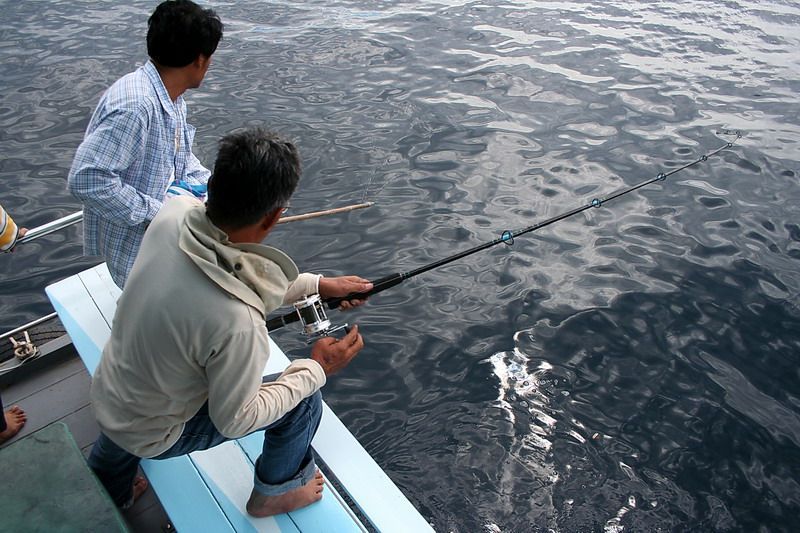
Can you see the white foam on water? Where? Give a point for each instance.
(614, 525)
(521, 395)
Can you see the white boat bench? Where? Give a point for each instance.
(207, 490)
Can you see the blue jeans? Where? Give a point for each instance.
(286, 461)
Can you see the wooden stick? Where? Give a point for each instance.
(74, 218)
(316, 214)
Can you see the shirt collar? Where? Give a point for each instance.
(158, 84)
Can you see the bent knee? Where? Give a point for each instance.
(314, 404)
(315, 400)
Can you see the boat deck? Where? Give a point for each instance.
(56, 389)
(206, 488)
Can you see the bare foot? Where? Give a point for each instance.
(15, 419)
(259, 505)
(140, 485)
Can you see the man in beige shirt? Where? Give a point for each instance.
(183, 368)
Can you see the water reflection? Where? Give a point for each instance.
(658, 337)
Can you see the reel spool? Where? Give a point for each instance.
(315, 321)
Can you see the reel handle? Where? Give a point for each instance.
(378, 285)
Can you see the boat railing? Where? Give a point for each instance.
(16, 346)
(50, 227)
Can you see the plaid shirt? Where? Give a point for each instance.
(136, 143)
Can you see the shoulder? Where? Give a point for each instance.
(175, 208)
(182, 203)
(131, 94)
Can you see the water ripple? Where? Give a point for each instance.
(657, 335)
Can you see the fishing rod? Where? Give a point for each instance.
(310, 310)
(64, 222)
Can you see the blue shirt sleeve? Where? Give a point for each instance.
(100, 162)
(196, 173)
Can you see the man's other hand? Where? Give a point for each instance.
(342, 286)
(334, 354)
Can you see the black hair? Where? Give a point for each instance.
(255, 173)
(179, 31)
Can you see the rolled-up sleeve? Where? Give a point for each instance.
(196, 173)
(305, 285)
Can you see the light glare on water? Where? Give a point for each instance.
(631, 369)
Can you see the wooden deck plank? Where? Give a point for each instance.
(230, 477)
(84, 323)
(39, 381)
(190, 504)
(103, 291)
(149, 519)
(83, 425)
(59, 400)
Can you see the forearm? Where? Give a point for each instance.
(274, 399)
(305, 285)
(104, 193)
(239, 403)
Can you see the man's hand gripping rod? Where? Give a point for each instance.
(316, 323)
(311, 312)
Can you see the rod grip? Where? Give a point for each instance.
(280, 321)
(377, 286)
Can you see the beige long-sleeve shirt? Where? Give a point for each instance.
(190, 328)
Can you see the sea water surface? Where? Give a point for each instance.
(633, 368)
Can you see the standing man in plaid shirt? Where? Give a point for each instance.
(138, 143)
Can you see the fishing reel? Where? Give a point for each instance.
(315, 321)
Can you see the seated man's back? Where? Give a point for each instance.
(187, 331)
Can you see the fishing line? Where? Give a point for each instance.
(367, 194)
(425, 129)
(507, 238)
